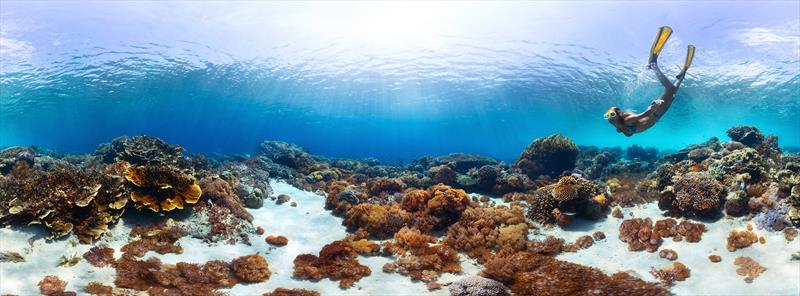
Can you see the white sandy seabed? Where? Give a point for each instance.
(309, 227)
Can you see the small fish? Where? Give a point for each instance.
(10, 256)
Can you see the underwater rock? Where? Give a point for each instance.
(548, 156)
(700, 154)
(747, 135)
(336, 261)
(713, 144)
(486, 176)
(477, 286)
(277, 240)
(213, 223)
(698, 194)
(249, 180)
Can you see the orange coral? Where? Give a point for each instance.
(480, 227)
(418, 259)
(741, 239)
(377, 220)
(336, 261)
(415, 200)
(161, 188)
(251, 268)
(277, 240)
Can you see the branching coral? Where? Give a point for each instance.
(533, 274)
(161, 188)
(548, 156)
(335, 261)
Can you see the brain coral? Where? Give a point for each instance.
(548, 156)
(698, 194)
(161, 188)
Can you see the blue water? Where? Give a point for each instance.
(389, 80)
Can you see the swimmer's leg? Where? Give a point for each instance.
(661, 77)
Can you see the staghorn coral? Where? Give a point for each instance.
(335, 261)
(251, 268)
(53, 286)
(548, 156)
(740, 239)
(161, 188)
(291, 292)
(278, 240)
(698, 194)
(669, 274)
(64, 198)
(99, 256)
(477, 286)
(748, 268)
(529, 273)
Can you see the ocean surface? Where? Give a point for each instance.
(394, 80)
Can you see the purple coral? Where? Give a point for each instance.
(774, 219)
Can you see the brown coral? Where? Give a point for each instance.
(639, 234)
(418, 259)
(98, 289)
(551, 245)
(158, 238)
(698, 194)
(714, 258)
(481, 227)
(530, 273)
(668, 254)
(377, 220)
(161, 188)
(291, 292)
(549, 203)
(53, 286)
(669, 274)
(447, 203)
(336, 261)
(179, 279)
(99, 256)
(748, 268)
(251, 268)
(221, 192)
(277, 240)
(741, 239)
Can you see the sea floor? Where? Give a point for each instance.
(308, 226)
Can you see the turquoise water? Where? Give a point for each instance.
(390, 80)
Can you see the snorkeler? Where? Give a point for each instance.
(630, 123)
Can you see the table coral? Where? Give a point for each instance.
(335, 261)
(548, 156)
(741, 239)
(251, 268)
(161, 188)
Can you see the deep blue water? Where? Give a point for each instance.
(389, 80)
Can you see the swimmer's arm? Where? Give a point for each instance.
(633, 119)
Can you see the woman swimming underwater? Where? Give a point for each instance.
(630, 123)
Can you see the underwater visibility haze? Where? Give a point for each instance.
(390, 80)
(399, 148)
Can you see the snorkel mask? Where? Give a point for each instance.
(610, 114)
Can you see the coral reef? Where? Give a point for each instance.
(636, 152)
(160, 239)
(418, 259)
(376, 220)
(487, 228)
(714, 258)
(221, 193)
(568, 195)
(477, 286)
(335, 261)
(290, 155)
(698, 194)
(548, 156)
(140, 150)
(161, 188)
